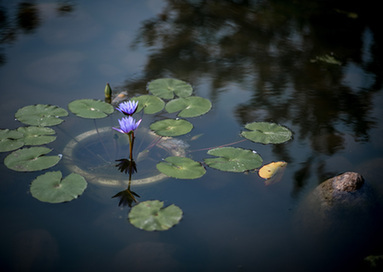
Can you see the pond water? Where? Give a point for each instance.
(315, 68)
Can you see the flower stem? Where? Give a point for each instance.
(131, 141)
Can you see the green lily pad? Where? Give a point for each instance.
(171, 127)
(189, 106)
(41, 115)
(150, 215)
(31, 159)
(267, 133)
(181, 167)
(90, 108)
(150, 103)
(166, 88)
(232, 159)
(37, 135)
(10, 140)
(49, 187)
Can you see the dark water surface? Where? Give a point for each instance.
(314, 67)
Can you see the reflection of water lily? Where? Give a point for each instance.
(126, 197)
(127, 166)
(127, 125)
(128, 107)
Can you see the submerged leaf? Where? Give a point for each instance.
(181, 167)
(10, 140)
(41, 115)
(37, 135)
(326, 59)
(166, 88)
(171, 127)
(151, 216)
(31, 159)
(150, 103)
(266, 133)
(232, 159)
(49, 187)
(90, 108)
(189, 106)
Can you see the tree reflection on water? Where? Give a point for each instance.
(272, 48)
(25, 21)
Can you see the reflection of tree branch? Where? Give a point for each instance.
(27, 19)
(65, 7)
(267, 46)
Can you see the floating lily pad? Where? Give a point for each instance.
(10, 140)
(150, 103)
(232, 159)
(166, 88)
(90, 108)
(267, 133)
(49, 187)
(41, 115)
(189, 106)
(181, 167)
(150, 215)
(31, 159)
(37, 135)
(171, 127)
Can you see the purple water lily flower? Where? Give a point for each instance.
(128, 107)
(127, 125)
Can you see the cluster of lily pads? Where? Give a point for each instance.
(27, 154)
(30, 155)
(229, 159)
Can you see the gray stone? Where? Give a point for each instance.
(344, 189)
(336, 203)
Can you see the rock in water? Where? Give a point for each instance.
(345, 189)
(336, 204)
(347, 182)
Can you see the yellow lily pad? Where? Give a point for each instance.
(273, 171)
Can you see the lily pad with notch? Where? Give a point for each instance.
(10, 140)
(41, 115)
(266, 133)
(90, 108)
(50, 187)
(37, 135)
(171, 127)
(166, 88)
(233, 159)
(151, 216)
(31, 159)
(181, 168)
(150, 103)
(191, 106)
